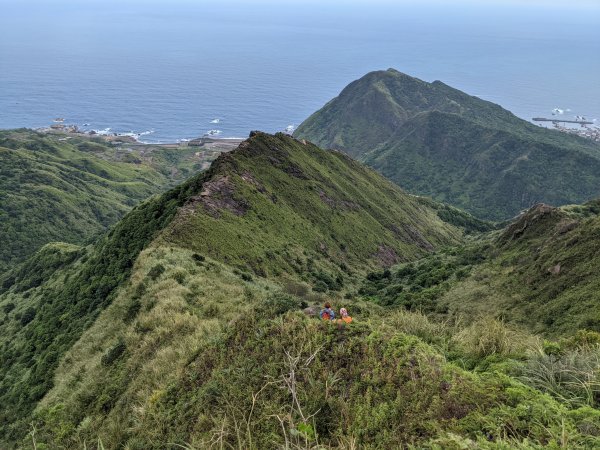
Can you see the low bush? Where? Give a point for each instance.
(156, 271)
(113, 353)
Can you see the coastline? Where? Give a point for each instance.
(133, 139)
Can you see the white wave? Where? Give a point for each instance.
(290, 128)
(135, 135)
(215, 121)
(213, 132)
(102, 132)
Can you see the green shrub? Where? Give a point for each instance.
(320, 286)
(156, 271)
(132, 310)
(27, 316)
(582, 339)
(246, 276)
(295, 288)
(198, 258)
(552, 348)
(180, 276)
(113, 353)
(280, 303)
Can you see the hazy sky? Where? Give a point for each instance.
(458, 3)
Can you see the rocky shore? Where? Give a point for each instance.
(207, 143)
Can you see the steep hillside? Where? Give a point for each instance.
(540, 273)
(277, 205)
(211, 360)
(55, 187)
(434, 140)
(275, 208)
(489, 172)
(543, 273)
(182, 327)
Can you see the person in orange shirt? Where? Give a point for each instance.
(345, 317)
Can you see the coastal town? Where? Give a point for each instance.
(588, 132)
(579, 127)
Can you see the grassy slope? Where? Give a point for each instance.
(296, 189)
(52, 189)
(540, 273)
(45, 314)
(488, 172)
(195, 353)
(434, 140)
(192, 352)
(159, 319)
(293, 209)
(221, 361)
(518, 282)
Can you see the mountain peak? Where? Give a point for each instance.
(274, 197)
(371, 109)
(435, 140)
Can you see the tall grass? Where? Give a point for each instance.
(488, 336)
(573, 377)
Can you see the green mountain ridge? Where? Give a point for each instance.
(231, 213)
(544, 275)
(435, 140)
(482, 169)
(304, 200)
(183, 326)
(55, 187)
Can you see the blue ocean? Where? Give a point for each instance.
(180, 69)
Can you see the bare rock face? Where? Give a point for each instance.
(567, 226)
(555, 270)
(527, 221)
(217, 195)
(387, 256)
(416, 237)
(337, 204)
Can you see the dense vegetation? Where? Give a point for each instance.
(274, 378)
(540, 272)
(278, 207)
(55, 187)
(434, 140)
(236, 212)
(418, 285)
(51, 299)
(183, 327)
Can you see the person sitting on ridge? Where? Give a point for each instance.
(327, 313)
(345, 317)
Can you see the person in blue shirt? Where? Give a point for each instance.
(327, 313)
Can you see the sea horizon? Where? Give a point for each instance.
(178, 72)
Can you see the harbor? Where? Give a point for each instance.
(579, 122)
(587, 129)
